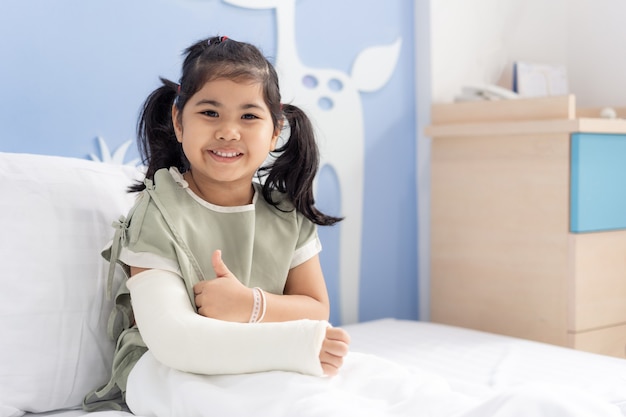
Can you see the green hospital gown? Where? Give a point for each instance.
(171, 228)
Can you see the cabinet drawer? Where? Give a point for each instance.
(599, 279)
(609, 341)
(598, 182)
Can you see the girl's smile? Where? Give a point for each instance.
(226, 155)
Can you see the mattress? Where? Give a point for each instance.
(476, 363)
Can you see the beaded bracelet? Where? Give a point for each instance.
(256, 307)
(259, 302)
(264, 305)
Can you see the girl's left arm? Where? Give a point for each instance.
(305, 295)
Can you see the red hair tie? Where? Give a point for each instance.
(220, 39)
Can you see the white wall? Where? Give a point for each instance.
(476, 41)
(596, 55)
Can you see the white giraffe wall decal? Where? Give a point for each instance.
(331, 99)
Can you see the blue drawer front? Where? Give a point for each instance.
(598, 182)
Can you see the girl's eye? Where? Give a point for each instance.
(249, 116)
(210, 113)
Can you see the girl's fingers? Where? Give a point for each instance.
(334, 348)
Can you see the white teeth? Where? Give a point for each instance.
(226, 154)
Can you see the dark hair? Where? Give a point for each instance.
(295, 163)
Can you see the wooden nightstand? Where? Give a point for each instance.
(528, 221)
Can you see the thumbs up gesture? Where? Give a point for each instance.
(225, 297)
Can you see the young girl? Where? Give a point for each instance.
(224, 271)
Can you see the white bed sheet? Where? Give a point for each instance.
(476, 364)
(487, 363)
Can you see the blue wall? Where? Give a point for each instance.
(74, 70)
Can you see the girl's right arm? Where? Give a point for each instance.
(184, 340)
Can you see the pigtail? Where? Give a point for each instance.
(156, 139)
(295, 168)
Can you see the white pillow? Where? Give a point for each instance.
(55, 217)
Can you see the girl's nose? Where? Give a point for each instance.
(227, 131)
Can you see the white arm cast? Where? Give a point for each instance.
(185, 340)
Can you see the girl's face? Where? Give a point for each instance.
(226, 131)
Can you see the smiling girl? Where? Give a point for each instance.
(221, 248)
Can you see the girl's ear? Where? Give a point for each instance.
(178, 128)
(276, 135)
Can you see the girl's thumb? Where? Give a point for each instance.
(219, 266)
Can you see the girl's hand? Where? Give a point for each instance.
(225, 297)
(334, 348)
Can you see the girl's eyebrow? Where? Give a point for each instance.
(210, 102)
(218, 104)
